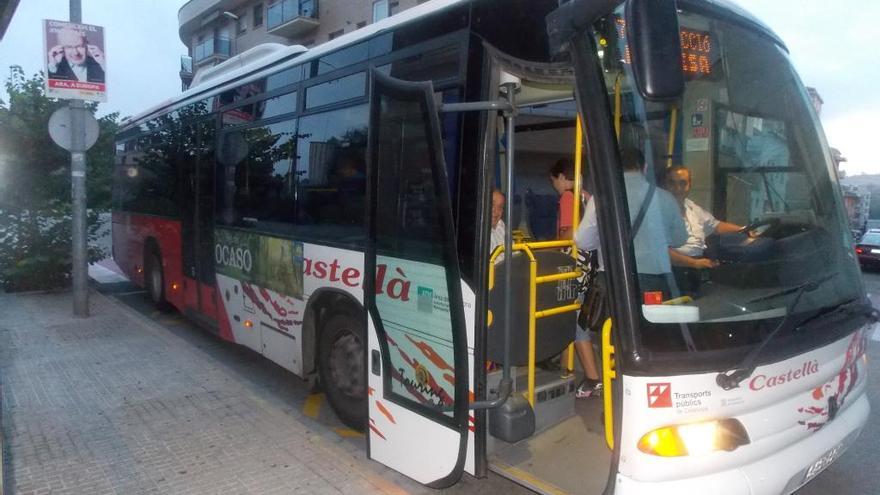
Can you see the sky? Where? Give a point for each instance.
(142, 47)
(834, 51)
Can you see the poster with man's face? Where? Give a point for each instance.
(75, 62)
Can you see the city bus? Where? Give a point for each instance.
(331, 208)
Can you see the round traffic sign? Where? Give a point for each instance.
(61, 128)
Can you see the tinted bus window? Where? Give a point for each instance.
(146, 181)
(331, 170)
(279, 105)
(344, 88)
(242, 92)
(255, 178)
(343, 58)
(435, 65)
(283, 78)
(265, 109)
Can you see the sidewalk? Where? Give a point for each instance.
(117, 404)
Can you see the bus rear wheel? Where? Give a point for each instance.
(342, 368)
(154, 280)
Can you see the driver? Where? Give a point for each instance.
(699, 222)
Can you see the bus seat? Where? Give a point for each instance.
(542, 209)
(553, 333)
(518, 211)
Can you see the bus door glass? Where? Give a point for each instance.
(417, 350)
(181, 155)
(205, 212)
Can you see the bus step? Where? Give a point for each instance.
(554, 394)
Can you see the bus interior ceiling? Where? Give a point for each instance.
(567, 453)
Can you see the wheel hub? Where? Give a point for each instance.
(155, 283)
(347, 365)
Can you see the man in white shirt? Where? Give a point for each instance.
(699, 222)
(498, 228)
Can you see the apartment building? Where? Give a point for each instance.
(214, 30)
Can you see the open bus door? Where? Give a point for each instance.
(417, 348)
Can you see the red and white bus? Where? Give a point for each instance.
(329, 208)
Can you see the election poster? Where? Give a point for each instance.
(75, 61)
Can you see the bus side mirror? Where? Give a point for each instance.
(655, 47)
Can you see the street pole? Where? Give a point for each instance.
(78, 192)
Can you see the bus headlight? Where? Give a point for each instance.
(694, 438)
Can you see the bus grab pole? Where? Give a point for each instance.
(505, 387)
(506, 383)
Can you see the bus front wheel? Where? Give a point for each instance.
(343, 369)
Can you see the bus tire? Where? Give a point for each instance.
(154, 280)
(342, 368)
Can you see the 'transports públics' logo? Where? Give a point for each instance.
(659, 395)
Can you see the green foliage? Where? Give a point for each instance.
(35, 238)
(35, 247)
(34, 171)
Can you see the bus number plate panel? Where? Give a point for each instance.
(823, 462)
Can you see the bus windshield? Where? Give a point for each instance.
(742, 156)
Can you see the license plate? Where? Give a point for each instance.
(875, 251)
(823, 462)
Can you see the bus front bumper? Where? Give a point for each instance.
(781, 473)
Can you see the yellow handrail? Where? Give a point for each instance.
(557, 277)
(673, 123)
(538, 245)
(557, 310)
(528, 248)
(608, 374)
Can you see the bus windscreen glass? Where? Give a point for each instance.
(741, 158)
(697, 50)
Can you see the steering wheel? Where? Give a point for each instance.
(759, 227)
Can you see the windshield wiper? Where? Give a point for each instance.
(849, 307)
(731, 379)
(796, 288)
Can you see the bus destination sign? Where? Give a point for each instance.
(696, 53)
(697, 50)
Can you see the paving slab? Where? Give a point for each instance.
(116, 404)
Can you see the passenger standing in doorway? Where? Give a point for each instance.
(562, 177)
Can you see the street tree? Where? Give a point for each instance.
(35, 199)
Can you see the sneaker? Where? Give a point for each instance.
(589, 388)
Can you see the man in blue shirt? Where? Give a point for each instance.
(662, 227)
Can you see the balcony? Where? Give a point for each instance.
(292, 18)
(212, 50)
(193, 14)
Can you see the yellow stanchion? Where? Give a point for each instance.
(608, 374)
(578, 186)
(533, 306)
(673, 124)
